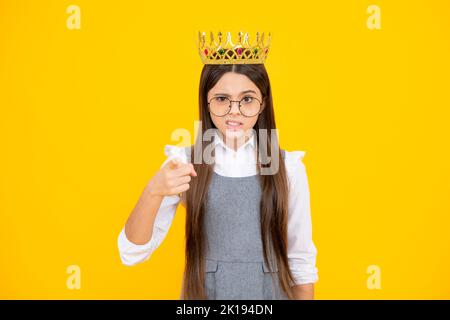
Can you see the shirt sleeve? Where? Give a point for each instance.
(301, 249)
(131, 253)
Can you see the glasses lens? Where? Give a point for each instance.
(250, 106)
(220, 106)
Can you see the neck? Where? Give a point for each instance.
(234, 142)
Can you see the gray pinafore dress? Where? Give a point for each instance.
(234, 265)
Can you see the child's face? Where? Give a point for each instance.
(231, 85)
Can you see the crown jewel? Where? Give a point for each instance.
(226, 52)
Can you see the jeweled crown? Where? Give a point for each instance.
(226, 52)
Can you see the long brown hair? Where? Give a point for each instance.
(274, 202)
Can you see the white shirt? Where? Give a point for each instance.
(240, 163)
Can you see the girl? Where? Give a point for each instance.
(248, 234)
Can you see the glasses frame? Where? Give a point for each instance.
(239, 106)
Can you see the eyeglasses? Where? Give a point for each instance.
(248, 106)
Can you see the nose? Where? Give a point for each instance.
(235, 107)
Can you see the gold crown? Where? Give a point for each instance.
(229, 53)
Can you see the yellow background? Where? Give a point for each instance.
(85, 115)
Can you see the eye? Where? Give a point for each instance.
(247, 99)
(221, 99)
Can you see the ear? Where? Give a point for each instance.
(263, 106)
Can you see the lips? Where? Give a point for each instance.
(233, 123)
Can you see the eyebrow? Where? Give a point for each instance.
(229, 95)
